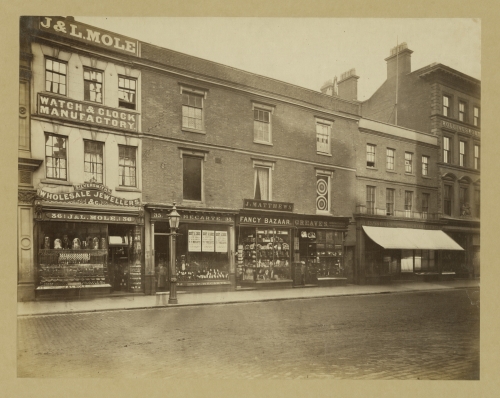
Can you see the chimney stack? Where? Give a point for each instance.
(348, 85)
(401, 65)
(330, 87)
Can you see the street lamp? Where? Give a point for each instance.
(173, 220)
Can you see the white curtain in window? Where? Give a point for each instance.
(406, 260)
(262, 184)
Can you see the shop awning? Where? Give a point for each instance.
(407, 238)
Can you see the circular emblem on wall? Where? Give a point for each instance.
(321, 187)
(22, 110)
(321, 203)
(25, 243)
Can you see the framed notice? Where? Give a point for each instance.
(207, 239)
(194, 240)
(221, 241)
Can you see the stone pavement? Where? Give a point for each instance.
(161, 300)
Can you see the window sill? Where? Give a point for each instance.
(410, 174)
(56, 182)
(427, 177)
(323, 154)
(371, 168)
(127, 189)
(263, 143)
(190, 130)
(323, 213)
(392, 171)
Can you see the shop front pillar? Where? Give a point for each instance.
(232, 265)
(26, 248)
(360, 255)
(135, 285)
(149, 275)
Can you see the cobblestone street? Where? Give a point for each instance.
(421, 335)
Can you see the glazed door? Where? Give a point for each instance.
(162, 254)
(118, 269)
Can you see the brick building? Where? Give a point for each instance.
(80, 217)
(261, 171)
(275, 184)
(446, 103)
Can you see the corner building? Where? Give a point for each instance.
(446, 103)
(261, 172)
(80, 211)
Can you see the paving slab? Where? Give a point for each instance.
(189, 299)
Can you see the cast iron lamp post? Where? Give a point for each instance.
(173, 220)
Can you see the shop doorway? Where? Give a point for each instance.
(162, 254)
(120, 256)
(118, 269)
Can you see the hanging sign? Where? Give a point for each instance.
(221, 241)
(89, 34)
(84, 112)
(194, 240)
(207, 241)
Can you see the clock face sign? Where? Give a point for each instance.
(322, 193)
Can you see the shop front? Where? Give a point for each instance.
(264, 249)
(87, 249)
(319, 248)
(400, 250)
(204, 249)
(277, 248)
(465, 264)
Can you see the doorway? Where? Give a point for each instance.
(162, 254)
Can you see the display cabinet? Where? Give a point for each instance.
(72, 268)
(264, 254)
(322, 252)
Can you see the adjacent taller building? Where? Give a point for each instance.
(445, 103)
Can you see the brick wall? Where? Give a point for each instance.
(229, 137)
(397, 179)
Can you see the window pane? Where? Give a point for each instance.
(192, 178)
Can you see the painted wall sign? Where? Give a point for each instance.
(79, 216)
(89, 34)
(399, 224)
(267, 205)
(461, 129)
(275, 221)
(94, 114)
(193, 217)
(87, 197)
(93, 185)
(319, 224)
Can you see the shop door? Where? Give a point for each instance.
(118, 270)
(162, 253)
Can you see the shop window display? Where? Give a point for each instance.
(265, 254)
(202, 253)
(322, 251)
(72, 255)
